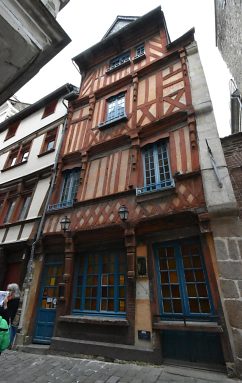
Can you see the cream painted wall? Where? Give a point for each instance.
(38, 197)
(12, 235)
(32, 124)
(34, 162)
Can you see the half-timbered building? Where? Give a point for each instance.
(134, 273)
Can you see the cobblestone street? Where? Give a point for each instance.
(22, 367)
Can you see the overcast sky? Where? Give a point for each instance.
(86, 23)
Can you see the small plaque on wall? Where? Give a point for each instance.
(144, 335)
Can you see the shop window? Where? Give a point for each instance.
(50, 108)
(100, 286)
(156, 167)
(119, 61)
(183, 288)
(49, 141)
(18, 156)
(10, 208)
(12, 130)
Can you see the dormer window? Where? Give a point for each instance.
(119, 61)
(139, 52)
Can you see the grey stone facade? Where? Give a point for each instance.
(228, 14)
(222, 208)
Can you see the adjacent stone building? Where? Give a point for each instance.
(228, 23)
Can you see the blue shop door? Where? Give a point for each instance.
(46, 311)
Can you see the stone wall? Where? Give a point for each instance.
(229, 261)
(229, 35)
(232, 146)
(223, 211)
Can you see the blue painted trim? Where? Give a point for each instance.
(182, 282)
(98, 311)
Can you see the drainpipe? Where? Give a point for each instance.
(28, 278)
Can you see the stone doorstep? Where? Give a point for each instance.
(107, 351)
(39, 349)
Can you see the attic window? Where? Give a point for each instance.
(119, 61)
(50, 108)
(139, 52)
(12, 130)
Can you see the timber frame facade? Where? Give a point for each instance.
(144, 289)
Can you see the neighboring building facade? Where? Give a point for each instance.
(11, 107)
(228, 23)
(29, 142)
(30, 37)
(232, 146)
(148, 287)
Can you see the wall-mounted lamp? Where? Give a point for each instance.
(123, 213)
(65, 223)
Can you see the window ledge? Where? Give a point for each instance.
(105, 321)
(46, 152)
(14, 166)
(188, 326)
(107, 124)
(139, 58)
(116, 68)
(155, 194)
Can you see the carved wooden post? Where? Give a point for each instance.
(130, 245)
(65, 287)
(68, 270)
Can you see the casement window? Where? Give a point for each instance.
(115, 107)
(12, 130)
(119, 61)
(183, 289)
(10, 209)
(156, 168)
(100, 284)
(70, 185)
(25, 207)
(139, 51)
(49, 141)
(50, 108)
(18, 156)
(115, 111)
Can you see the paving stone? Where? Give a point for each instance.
(20, 367)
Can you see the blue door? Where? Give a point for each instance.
(46, 311)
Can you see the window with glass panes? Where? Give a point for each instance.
(49, 292)
(140, 50)
(70, 184)
(25, 207)
(100, 286)
(9, 212)
(183, 288)
(116, 107)
(157, 173)
(118, 61)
